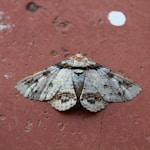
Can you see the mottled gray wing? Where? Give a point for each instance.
(90, 97)
(65, 98)
(106, 86)
(52, 84)
(39, 86)
(114, 87)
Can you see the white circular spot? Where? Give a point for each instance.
(117, 18)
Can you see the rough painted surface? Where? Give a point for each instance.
(43, 34)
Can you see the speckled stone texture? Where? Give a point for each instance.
(37, 34)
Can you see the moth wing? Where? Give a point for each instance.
(41, 85)
(90, 97)
(52, 84)
(65, 98)
(114, 87)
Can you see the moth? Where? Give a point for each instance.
(78, 80)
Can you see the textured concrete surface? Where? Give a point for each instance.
(39, 34)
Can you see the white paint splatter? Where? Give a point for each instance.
(7, 76)
(4, 22)
(117, 18)
(2, 26)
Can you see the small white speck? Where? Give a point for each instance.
(7, 76)
(4, 22)
(117, 18)
(3, 27)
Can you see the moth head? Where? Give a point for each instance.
(78, 60)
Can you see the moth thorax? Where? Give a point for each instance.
(78, 77)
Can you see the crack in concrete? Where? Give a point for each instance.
(101, 128)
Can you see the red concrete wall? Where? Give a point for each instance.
(35, 36)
